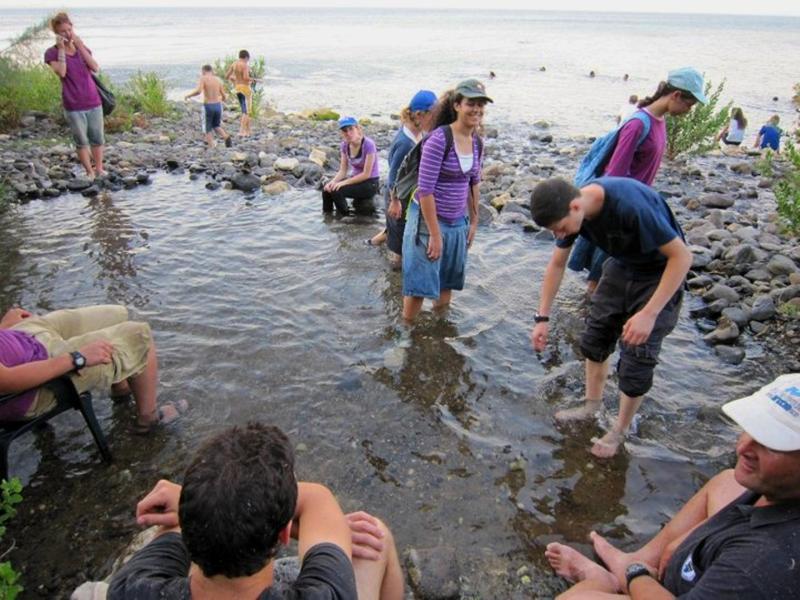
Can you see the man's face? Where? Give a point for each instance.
(773, 474)
(569, 225)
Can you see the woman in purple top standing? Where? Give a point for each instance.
(357, 177)
(641, 160)
(72, 61)
(443, 217)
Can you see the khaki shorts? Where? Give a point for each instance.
(68, 330)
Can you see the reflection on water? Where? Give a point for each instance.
(263, 309)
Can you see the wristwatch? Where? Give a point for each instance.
(635, 570)
(537, 318)
(78, 360)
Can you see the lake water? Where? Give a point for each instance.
(370, 62)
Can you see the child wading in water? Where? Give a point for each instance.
(213, 95)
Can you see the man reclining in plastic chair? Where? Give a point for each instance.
(97, 346)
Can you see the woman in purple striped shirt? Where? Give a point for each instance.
(443, 217)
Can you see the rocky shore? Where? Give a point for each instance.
(745, 279)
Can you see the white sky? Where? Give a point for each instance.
(761, 7)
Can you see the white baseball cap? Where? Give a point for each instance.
(771, 416)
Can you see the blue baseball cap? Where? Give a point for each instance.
(689, 80)
(422, 100)
(347, 122)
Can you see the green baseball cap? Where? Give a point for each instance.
(472, 88)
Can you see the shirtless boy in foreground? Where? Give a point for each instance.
(213, 95)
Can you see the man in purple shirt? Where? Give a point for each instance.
(97, 345)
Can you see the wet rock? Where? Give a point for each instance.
(715, 200)
(500, 201)
(78, 184)
(733, 355)
(486, 214)
(91, 191)
(515, 207)
(763, 308)
(744, 254)
(143, 178)
(736, 315)
(742, 168)
(785, 294)
(172, 163)
(276, 187)
(434, 573)
(245, 182)
(726, 332)
(697, 238)
(758, 274)
(213, 185)
(781, 265)
(721, 291)
(286, 164)
(700, 282)
(318, 156)
(701, 257)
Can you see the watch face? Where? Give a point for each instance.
(79, 360)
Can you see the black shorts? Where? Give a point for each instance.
(619, 295)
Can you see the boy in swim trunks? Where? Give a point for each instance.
(239, 74)
(213, 95)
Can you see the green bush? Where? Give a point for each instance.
(257, 70)
(694, 132)
(9, 578)
(787, 189)
(24, 88)
(147, 93)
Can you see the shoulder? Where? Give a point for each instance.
(369, 145)
(162, 564)
(327, 566)
(50, 54)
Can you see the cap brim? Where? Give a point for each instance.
(478, 97)
(753, 416)
(701, 98)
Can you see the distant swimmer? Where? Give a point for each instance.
(543, 68)
(492, 75)
(591, 73)
(625, 77)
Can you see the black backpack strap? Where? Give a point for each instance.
(448, 141)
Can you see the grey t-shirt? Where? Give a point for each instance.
(159, 572)
(742, 552)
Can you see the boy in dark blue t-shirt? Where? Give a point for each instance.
(638, 296)
(769, 136)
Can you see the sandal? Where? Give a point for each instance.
(167, 413)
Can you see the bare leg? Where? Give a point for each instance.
(86, 161)
(244, 130)
(444, 300)
(144, 388)
(380, 579)
(378, 239)
(411, 307)
(209, 137)
(225, 136)
(97, 155)
(596, 375)
(574, 567)
(608, 445)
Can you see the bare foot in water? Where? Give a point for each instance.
(615, 559)
(607, 446)
(574, 566)
(588, 410)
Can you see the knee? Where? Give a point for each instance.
(595, 348)
(635, 371)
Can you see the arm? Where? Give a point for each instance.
(758, 138)
(13, 316)
(319, 519)
(638, 328)
(552, 281)
(59, 66)
(427, 205)
(340, 174)
(85, 54)
(195, 92)
(33, 374)
(619, 165)
(229, 73)
(363, 176)
(160, 507)
(474, 199)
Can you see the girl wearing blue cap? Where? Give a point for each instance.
(640, 157)
(416, 119)
(443, 217)
(357, 177)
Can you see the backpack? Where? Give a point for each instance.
(405, 183)
(602, 148)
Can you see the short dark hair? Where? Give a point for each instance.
(239, 492)
(550, 201)
(207, 69)
(244, 54)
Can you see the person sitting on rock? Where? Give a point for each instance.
(357, 177)
(738, 537)
(769, 136)
(639, 294)
(238, 505)
(96, 345)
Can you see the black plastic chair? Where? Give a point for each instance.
(67, 397)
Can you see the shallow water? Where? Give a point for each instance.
(264, 309)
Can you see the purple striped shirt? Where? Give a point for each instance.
(442, 176)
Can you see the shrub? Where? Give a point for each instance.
(787, 190)
(9, 578)
(24, 88)
(257, 70)
(694, 133)
(147, 93)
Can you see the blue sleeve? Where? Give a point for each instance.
(396, 155)
(567, 241)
